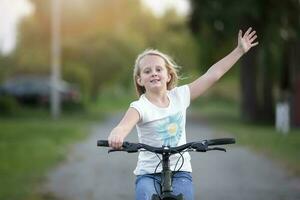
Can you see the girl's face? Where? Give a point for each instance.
(153, 73)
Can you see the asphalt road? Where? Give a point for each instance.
(89, 173)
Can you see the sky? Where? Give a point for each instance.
(182, 7)
(13, 11)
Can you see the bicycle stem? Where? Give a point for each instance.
(166, 174)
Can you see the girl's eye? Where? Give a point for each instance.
(159, 69)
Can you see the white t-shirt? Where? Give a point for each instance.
(162, 126)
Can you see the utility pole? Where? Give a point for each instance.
(55, 59)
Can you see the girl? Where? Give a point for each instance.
(160, 113)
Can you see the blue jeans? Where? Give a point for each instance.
(181, 182)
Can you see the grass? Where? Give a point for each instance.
(224, 116)
(29, 146)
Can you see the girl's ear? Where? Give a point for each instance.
(138, 80)
(169, 78)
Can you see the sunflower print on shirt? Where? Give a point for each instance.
(170, 129)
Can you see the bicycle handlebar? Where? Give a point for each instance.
(221, 141)
(200, 146)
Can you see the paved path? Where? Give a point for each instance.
(89, 173)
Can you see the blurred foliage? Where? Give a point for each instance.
(8, 106)
(271, 65)
(216, 21)
(100, 41)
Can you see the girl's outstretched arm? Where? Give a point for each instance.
(216, 71)
(118, 134)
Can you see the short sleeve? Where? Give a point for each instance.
(137, 105)
(184, 95)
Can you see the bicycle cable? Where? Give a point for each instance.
(179, 158)
(154, 179)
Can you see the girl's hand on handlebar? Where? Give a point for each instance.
(115, 139)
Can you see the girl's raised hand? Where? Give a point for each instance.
(247, 41)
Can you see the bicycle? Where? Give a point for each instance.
(166, 152)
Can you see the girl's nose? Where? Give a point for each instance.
(154, 73)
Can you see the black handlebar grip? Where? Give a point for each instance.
(221, 141)
(102, 143)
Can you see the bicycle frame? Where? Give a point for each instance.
(166, 181)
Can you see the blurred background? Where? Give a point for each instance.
(65, 65)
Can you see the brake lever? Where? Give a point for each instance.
(216, 148)
(202, 147)
(127, 147)
(130, 147)
(114, 150)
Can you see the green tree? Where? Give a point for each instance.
(100, 41)
(215, 21)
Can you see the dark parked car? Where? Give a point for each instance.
(32, 89)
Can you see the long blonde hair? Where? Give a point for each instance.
(171, 66)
